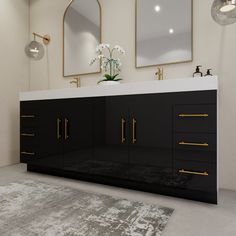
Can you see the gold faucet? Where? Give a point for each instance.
(159, 74)
(76, 81)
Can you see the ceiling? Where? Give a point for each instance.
(174, 14)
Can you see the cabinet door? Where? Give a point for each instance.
(111, 137)
(151, 139)
(78, 136)
(48, 152)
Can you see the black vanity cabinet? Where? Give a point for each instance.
(150, 154)
(195, 144)
(60, 136)
(111, 140)
(164, 143)
(77, 134)
(41, 144)
(129, 141)
(29, 131)
(50, 151)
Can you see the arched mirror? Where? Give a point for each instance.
(81, 35)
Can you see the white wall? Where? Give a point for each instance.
(214, 47)
(14, 68)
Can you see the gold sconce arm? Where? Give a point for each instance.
(34, 49)
(46, 38)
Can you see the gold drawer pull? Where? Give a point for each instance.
(193, 115)
(58, 128)
(193, 172)
(28, 153)
(134, 139)
(123, 122)
(66, 129)
(28, 135)
(28, 116)
(194, 144)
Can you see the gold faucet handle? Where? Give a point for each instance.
(162, 73)
(159, 73)
(76, 81)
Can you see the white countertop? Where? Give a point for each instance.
(148, 87)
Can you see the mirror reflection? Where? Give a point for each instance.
(163, 32)
(82, 34)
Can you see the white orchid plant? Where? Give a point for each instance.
(110, 65)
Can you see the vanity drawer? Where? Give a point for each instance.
(29, 114)
(195, 118)
(28, 136)
(195, 176)
(27, 154)
(195, 147)
(28, 120)
(28, 141)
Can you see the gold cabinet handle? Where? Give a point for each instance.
(194, 144)
(134, 139)
(28, 153)
(27, 135)
(193, 115)
(27, 116)
(66, 129)
(58, 128)
(123, 122)
(193, 172)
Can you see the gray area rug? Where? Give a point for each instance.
(30, 208)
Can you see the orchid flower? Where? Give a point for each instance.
(108, 63)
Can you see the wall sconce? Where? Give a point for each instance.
(34, 49)
(224, 11)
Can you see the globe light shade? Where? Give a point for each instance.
(224, 11)
(34, 50)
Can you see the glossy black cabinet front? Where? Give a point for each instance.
(41, 145)
(111, 141)
(164, 143)
(77, 134)
(129, 141)
(150, 155)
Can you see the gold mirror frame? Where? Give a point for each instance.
(63, 37)
(136, 27)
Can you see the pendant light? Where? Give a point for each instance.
(224, 11)
(34, 49)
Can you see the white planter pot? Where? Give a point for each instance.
(109, 83)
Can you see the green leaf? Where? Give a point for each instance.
(108, 77)
(115, 76)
